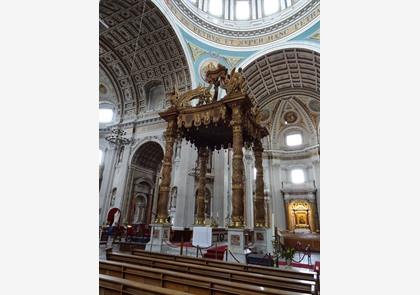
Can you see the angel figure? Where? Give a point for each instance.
(235, 82)
(174, 97)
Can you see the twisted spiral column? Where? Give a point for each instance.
(259, 186)
(203, 156)
(237, 168)
(164, 188)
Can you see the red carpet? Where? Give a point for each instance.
(315, 267)
(216, 252)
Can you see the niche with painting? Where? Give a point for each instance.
(300, 216)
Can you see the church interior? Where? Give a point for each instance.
(209, 147)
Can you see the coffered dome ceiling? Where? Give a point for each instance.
(244, 23)
(285, 84)
(148, 156)
(286, 72)
(131, 58)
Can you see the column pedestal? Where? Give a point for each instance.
(236, 245)
(159, 236)
(263, 238)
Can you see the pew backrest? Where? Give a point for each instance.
(215, 272)
(110, 285)
(297, 274)
(194, 284)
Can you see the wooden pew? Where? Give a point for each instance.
(296, 274)
(130, 246)
(265, 281)
(193, 284)
(109, 285)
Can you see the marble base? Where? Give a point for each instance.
(236, 245)
(263, 240)
(302, 230)
(159, 238)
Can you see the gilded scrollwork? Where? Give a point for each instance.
(200, 117)
(181, 100)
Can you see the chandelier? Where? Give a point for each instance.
(117, 137)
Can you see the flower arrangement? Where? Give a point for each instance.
(282, 251)
(288, 253)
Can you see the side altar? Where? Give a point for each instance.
(211, 124)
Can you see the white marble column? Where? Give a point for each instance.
(254, 9)
(316, 171)
(227, 204)
(107, 181)
(276, 179)
(232, 10)
(155, 197)
(127, 193)
(220, 187)
(184, 214)
(122, 175)
(249, 189)
(200, 4)
(259, 8)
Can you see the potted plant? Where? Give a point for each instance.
(287, 254)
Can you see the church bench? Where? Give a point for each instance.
(110, 285)
(194, 284)
(130, 246)
(296, 274)
(218, 273)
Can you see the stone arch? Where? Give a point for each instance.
(145, 166)
(143, 141)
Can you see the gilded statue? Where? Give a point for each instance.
(174, 97)
(235, 82)
(184, 100)
(232, 83)
(216, 77)
(256, 113)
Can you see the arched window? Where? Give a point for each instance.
(242, 10)
(106, 113)
(101, 155)
(271, 6)
(216, 7)
(297, 176)
(294, 139)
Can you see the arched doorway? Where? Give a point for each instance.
(146, 164)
